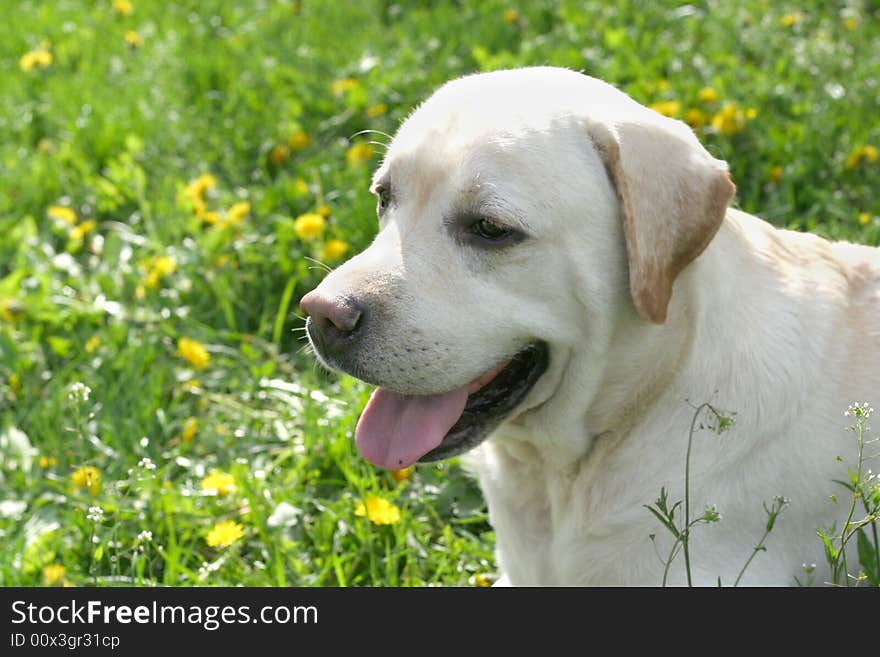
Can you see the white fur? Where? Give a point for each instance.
(781, 328)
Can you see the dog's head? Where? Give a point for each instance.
(520, 213)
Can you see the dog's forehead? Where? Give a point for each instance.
(471, 122)
(507, 100)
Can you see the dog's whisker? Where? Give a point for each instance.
(304, 348)
(369, 131)
(322, 265)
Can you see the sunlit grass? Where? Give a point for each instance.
(174, 178)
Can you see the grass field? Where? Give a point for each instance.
(170, 174)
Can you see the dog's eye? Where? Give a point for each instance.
(490, 231)
(384, 195)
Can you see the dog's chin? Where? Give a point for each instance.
(494, 402)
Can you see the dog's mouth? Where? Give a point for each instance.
(396, 430)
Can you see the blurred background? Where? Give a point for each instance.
(174, 176)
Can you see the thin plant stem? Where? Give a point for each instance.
(852, 507)
(687, 494)
(670, 559)
(876, 542)
(779, 505)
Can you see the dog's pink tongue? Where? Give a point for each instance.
(397, 430)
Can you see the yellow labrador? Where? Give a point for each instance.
(557, 281)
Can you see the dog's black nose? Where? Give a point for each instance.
(334, 322)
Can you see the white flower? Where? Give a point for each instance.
(78, 392)
(147, 463)
(284, 515)
(145, 536)
(861, 411)
(207, 568)
(96, 514)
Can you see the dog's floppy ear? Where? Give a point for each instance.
(673, 195)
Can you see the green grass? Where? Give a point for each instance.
(117, 132)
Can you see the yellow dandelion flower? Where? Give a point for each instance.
(45, 145)
(300, 187)
(359, 153)
(377, 110)
(224, 533)
(62, 213)
(707, 95)
(751, 113)
(850, 23)
(205, 182)
(157, 268)
(401, 475)
(864, 218)
(197, 188)
(191, 385)
(53, 574)
(667, 108)
(340, 87)
(193, 352)
(862, 154)
(695, 118)
(309, 226)
(278, 154)
(236, 214)
(511, 16)
(15, 381)
(198, 205)
(191, 426)
(333, 250)
(35, 59)
(88, 478)
(211, 218)
(92, 343)
(323, 210)
(78, 232)
(790, 20)
(729, 120)
(165, 264)
(775, 174)
(220, 483)
(299, 140)
(48, 462)
(133, 39)
(123, 7)
(379, 510)
(10, 310)
(481, 580)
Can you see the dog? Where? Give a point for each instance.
(557, 283)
